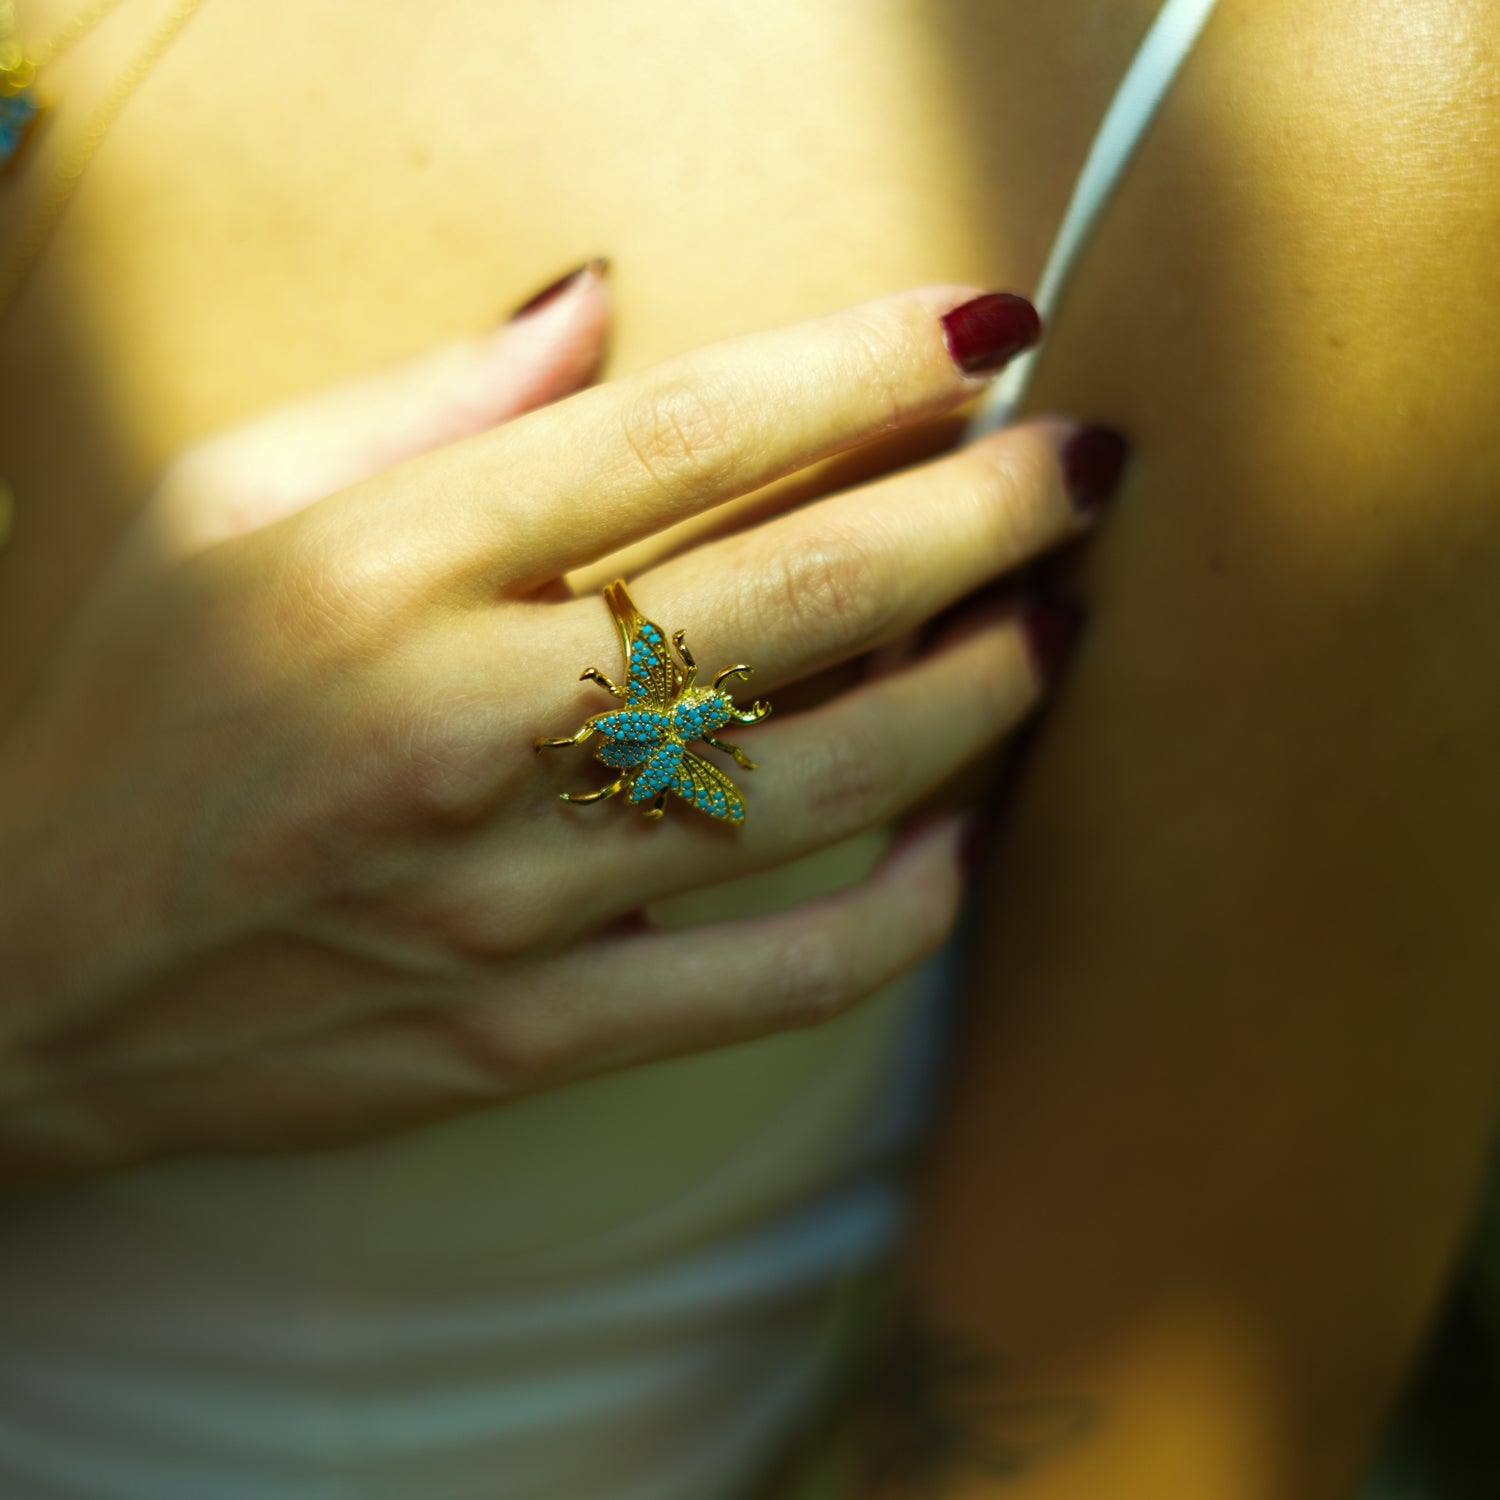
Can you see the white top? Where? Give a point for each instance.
(628, 1288)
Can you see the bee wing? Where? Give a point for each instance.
(652, 680)
(630, 735)
(703, 784)
(657, 773)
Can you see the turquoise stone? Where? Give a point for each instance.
(17, 113)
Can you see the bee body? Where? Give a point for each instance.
(648, 740)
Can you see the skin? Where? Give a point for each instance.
(351, 903)
(1229, 1080)
(1209, 1162)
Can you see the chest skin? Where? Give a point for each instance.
(303, 191)
(422, 172)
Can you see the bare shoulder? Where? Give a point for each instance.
(1293, 307)
(1352, 153)
(1311, 229)
(1269, 775)
(1334, 168)
(1242, 909)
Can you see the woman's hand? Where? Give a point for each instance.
(282, 867)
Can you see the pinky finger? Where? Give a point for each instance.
(620, 999)
(660, 993)
(634, 997)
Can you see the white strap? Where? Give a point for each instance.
(1143, 87)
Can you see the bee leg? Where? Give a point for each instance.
(573, 739)
(593, 674)
(658, 807)
(597, 795)
(739, 755)
(739, 670)
(679, 639)
(752, 715)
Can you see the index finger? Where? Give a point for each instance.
(573, 482)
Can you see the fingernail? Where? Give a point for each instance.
(1093, 458)
(599, 265)
(984, 335)
(1051, 627)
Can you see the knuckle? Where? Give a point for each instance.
(813, 979)
(322, 599)
(853, 784)
(879, 354)
(345, 580)
(678, 432)
(505, 1051)
(442, 754)
(317, 592)
(478, 921)
(827, 593)
(1012, 494)
(825, 966)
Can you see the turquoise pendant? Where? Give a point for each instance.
(18, 113)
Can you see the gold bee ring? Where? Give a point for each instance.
(647, 740)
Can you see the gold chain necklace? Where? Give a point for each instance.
(20, 107)
(75, 161)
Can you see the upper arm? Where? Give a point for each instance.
(1233, 1052)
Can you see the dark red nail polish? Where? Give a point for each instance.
(984, 335)
(1093, 458)
(599, 265)
(1052, 627)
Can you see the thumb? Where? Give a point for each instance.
(248, 476)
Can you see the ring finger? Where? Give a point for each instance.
(854, 763)
(808, 590)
